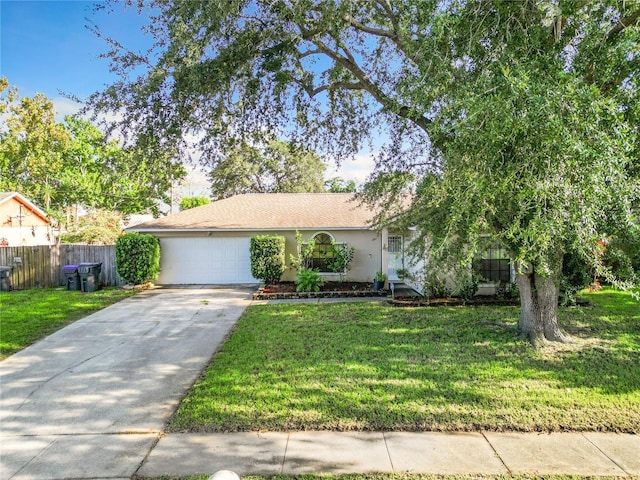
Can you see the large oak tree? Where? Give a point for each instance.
(516, 119)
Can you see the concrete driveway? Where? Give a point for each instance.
(92, 399)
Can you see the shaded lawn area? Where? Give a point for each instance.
(26, 316)
(370, 366)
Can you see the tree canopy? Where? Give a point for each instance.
(192, 202)
(60, 164)
(517, 120)
(274, 167)
(340, 185)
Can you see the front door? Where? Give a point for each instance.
(396, 256)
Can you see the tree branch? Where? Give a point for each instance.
(393, 35)
(308, 53)
(623, 23)
(376, 92)
(364, 28)
(336, 86)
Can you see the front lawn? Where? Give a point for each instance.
(370, 366)
(26, 316)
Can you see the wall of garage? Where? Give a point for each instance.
(201, 257)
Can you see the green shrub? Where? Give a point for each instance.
(267, 257)
(576, 275)
(437, 287)
(342, 258)
(620, 264)
(507, 291)
(138, 257)
(304, 255)
(467, 285)
(98, 227)
(308, 280)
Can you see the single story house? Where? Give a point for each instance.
(22, 223)
(210, 244)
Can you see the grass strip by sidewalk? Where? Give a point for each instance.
(26, 316)
(369, 366)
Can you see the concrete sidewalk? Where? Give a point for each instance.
(593, 454)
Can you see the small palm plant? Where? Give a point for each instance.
(308, 280)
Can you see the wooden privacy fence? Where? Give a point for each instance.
(41, 266)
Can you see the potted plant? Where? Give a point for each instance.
(402, 273)
(378, 281)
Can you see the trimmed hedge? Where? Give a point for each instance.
(267, 257)
(138, 257)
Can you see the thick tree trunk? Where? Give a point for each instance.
(539, 307)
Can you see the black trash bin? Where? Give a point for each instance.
(89, 276)
(5, 278)
(71, 276)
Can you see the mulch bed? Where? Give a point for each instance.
(285, 290)
(450, 302)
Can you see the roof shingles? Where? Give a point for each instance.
(270, 211)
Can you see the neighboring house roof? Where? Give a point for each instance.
(270, 211)
(6, 196)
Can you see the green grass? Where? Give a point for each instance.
(26, 316)
(369, 366)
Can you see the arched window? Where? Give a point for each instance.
(322, 252)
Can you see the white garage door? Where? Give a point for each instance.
(205, 260)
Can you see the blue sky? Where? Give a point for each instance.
(46, 47)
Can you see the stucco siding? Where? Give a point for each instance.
(367, 256)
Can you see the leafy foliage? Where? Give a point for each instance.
(339, 185)
(32, 146)
(576, 274)
(191, 202)
(308, 280)
(619, 263)
(276, 167)
(342, 258)
(98, 227)
(267, 257)
(304, 253)
(629, 243)
(436, 286)
(506, 291)
(514, 119)
(467, 285)
(60, 165)
(138, 257)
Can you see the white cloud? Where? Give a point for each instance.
(64, 106)
(357, 169)
(195, 184)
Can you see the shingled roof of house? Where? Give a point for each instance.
(270, 211)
